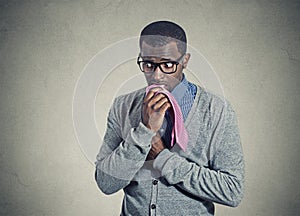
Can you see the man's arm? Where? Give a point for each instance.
(120, 158)
(222, 182)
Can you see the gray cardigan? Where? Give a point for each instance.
(176, 182)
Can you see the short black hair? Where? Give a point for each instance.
(160, 33)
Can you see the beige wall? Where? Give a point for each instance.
(254, 46)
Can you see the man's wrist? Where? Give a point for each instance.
(143, 135)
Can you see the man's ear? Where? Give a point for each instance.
(186, 60)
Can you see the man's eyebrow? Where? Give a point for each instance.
(155, 57)
(148, 56)
(165, 59)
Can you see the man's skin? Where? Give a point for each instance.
(155, 105)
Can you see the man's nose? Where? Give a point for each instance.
(158, 74)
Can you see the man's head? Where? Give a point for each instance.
(163, 53)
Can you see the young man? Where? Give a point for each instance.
(139, 154)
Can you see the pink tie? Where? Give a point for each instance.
(178, 130)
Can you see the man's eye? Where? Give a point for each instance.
(168, 64)
(148, 65)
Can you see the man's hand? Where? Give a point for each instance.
(157, 146)
(154, 108)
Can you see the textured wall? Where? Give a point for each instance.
(254, 46)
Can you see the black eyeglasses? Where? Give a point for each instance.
(167, 67)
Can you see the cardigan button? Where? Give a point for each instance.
(154, 182)
(153, 206)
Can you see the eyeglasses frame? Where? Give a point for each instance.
(177, 62)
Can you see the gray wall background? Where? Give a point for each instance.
(254, 46)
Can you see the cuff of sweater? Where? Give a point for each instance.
(161, 159)
(141, 136)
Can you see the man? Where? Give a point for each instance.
(138, 155)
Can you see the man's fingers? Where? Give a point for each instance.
(164, 107)
(154, 108)
(151, 93)
(160, 103)
(155, 139)
(149, 96)
(157, 145)
(155, 100)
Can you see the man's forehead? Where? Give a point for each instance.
(169, 50)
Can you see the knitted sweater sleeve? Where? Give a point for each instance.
(221, 182)
(119, 159)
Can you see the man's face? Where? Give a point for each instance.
(168, 52)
